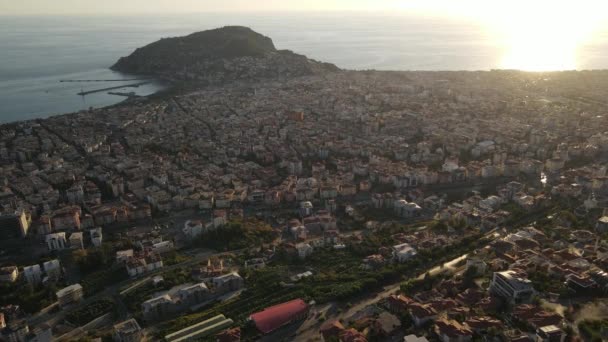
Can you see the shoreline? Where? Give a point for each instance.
(173, 88)
(67, 97)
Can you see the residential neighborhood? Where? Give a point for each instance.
(348, 206)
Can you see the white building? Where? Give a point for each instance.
(228, 282)
(76, 240)
(403, 252)
(408, 210)
(219, 221)
(33, 274)
(142, 264)
(157, 307)
(193, 294)
(479, 265)
(127, 331)
(96, 236)
(450, 164)
(163, 247)
(52, 268)
(414, 338)
(123, 256)
(550, 333)
(193, 229)
(56, 241)
(304, 250)
(9, 274)
(70, 294)
(509, 285)
(306, 208)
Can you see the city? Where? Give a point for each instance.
(343, 206)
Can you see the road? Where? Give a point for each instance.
(309, 330)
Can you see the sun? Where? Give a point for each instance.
(546, 35)
(535, 35)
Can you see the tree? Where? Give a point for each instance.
(468, 277)
(438, 226)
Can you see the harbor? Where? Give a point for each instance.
(133, 85)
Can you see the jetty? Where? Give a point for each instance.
(129, 94)
(123, 80)
(133, 85)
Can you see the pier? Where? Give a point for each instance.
(133, 85)
(130, 94)
(123, 80)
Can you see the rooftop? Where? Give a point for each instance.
(276, 316)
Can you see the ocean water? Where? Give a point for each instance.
(37, 52)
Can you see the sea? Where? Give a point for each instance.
(37, 53)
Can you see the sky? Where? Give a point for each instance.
(460, 7)
(24, 7)
(479, 9)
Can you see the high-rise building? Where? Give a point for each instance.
(14, 225)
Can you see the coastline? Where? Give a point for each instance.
(39, 98)
(176, 88)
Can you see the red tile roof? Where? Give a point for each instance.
(535, 316)
(276, 316)
(331, 329)
(352, 335)
(452, 329)
(483, 323)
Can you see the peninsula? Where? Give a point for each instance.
(218, 56)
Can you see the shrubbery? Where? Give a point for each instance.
(30, 299)
(592, 330)
(238, 235)
(89, 312)
(97, 281)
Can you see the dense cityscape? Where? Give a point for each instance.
(336, 206)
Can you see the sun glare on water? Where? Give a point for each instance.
(535, 35)
(544, 36)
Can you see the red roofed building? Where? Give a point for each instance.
(452, 331)
(399, 303)
(535, 316)
(279, 315)
(352, 335)
(470, 296)
(484, 323)
(331, 330)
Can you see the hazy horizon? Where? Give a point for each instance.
(81, 7)
(466, 8)
(46, 41)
